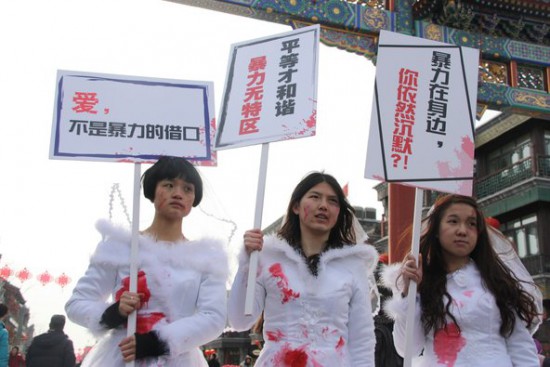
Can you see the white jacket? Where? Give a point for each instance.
(479, 342)
(187, 281)
(320, 321)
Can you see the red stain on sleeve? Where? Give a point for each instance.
(340, 344)
(447, 343)
(287, 294)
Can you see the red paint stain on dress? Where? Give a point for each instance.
(447, 343)
(274, 335)
(340, 345)
(287, 294)
(289, 357)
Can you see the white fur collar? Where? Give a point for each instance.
(206, 255)
(367, 253)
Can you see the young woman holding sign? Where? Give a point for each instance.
(471, 308)
(312, 283)
(181, 297)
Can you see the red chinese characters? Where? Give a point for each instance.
(404, 117)
(252, 104)
(85, 102)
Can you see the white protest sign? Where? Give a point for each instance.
(271, 89)
(104, 117)
(270, 95)
(422, 122)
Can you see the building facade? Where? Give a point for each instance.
(18, 315)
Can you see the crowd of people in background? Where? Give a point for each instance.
(50, 349)
(314, 299)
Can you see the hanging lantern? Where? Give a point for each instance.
(45, 278)
(5, 272)
(63, 280)
(23, 275)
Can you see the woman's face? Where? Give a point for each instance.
(318, 209)
(458, 232)
(174, 198)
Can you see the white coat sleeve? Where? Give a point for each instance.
(206, 324)
(237, 319)
(396, 307)
(361, 341)
(90, 295)
(521, 347)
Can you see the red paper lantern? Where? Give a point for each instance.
(6, 272)
(63, 280)
(45, 278)
(23, 275)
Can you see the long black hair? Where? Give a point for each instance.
(342, 233)
(510, 297)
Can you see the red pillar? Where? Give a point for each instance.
(401, 211)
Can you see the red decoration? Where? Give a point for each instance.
(23, 275)
(6, 272)
(63, 280)
(45, 278)
(141, 287)
(493, 222)
(384, 258)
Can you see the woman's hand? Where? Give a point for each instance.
(253, 240)
(129, 302)
(410, 271)
(128, 348)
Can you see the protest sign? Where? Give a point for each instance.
(106, 117)
(271, 90)
(270, 95)
(422, 122)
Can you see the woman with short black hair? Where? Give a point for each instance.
(181, 297)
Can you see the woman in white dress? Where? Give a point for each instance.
(181, 296)
(312, 283)
(472, 310)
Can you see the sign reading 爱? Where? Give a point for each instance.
(107, 117)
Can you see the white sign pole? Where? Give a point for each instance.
(132, 318)
(411, 297)
(253, 268)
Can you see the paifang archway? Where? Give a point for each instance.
(513, 37)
